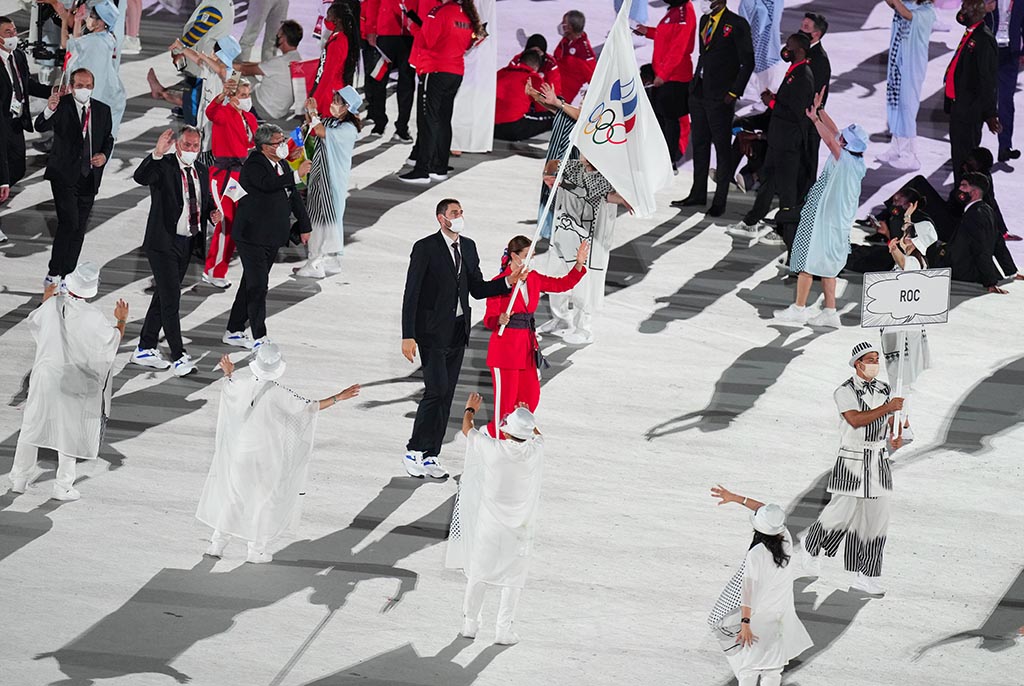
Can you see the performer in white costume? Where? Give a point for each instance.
(495, 515)
(69, 389)
(473, 116)
(755, 617)
(264, 442)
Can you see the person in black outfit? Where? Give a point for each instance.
(971, 250)
(180, 208)
(444, 270)
(724, 65)
(970, 86)
(787, 136)
(82, 143)
(814, 26)
(262, 227)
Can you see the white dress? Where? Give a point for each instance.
(264, 442)
(473, 116)
(69, 389)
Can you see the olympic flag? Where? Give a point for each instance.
(617, 130)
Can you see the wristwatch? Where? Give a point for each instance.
(745, 620)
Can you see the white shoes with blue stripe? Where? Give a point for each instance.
(150, 358)
(414, 464)
(239, 339)
(184, 366)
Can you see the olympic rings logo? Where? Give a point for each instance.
(602, 127)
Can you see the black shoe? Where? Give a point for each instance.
(377, 131)
(415, 177)
(1008, 154)
(689, 201)
(401, 137)
(716, 210)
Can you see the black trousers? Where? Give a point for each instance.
(169, 269)
(434, 121)
(397, 50)
(672, 101)
(15, 151)
(778, 177)
(711, 124)
(74, 205)
(1006, 86)
(809, 164)
(250, 306)
(964, 136)
(441, 367)
(529, 126)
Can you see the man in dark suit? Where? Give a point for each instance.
(971, 250)
(787, 141)
(444, 270)
(723, 68)
(970, 86)
(814, 26)
(82, 142)
(180, 208)
(263, 221)
(1008, 27)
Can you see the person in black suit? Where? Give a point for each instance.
(970, 86)
(444, 270)
(262, 226)
(82, 142)
(970, 252)
(787, 141)
(723, 68)
(181, 206)
(814, 26)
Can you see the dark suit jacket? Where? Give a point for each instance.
(29, 86)
(727, 61)
(974, 79)
(65, 163)
(167, 200)
(432, 289)
(788, 127)
(971, 250)
(1016, 27)
(264, 214)
(821, 68)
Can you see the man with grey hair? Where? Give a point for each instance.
(575, 56)
(262, 226)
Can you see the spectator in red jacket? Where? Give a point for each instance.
(549, 67)
(513, 356)
(339, 56)
(673, 68)
(575, 57)
(513, 118)
(438, 53)
(390, 30)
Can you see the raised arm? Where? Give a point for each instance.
(472, 405)
(332, 400)
(726, 496)
(901, 9)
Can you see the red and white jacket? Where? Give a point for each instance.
(674, 38)
(442, 41)
(385, 17)
(548, 71)
(577, 61)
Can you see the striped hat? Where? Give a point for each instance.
(862, 349)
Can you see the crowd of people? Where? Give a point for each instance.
(235, 180)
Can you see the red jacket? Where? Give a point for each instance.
(548, 71)
(673, 44)
(514, 348)
(576, 60)
(228, 137)
(385, 17)
(512, 102)
(333, 76)
(442, 41)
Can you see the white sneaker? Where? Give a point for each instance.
(149, 358)
(810, 564)
(469, 628)
(257, 555)
(50, 280)
(793, 315)
(218, 542)
(184, 366)
(552, 325)
(257, 343)
(332, 265)
(216, 282)
(867, 584)
(772, 238)
(433, 468)
(21, 484)
(3, 237)
(506, 637)
(578, 337)
(906, 162)
(310, 271)
(65, 493)
(438, 177)
(828, 318)
(414, 464)
(743, 230)
(239, 339)
(131, 46)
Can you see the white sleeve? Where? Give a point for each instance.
(846, 399)
(751, 572)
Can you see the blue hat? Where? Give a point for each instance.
(229, 50)
(107, 11)
(856, 138)
(351, 96)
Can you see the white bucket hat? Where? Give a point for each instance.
(769, 520)
(862, 349)
(519, 424)
(269, 363)
(84, 282)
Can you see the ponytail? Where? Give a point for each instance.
(474, 18)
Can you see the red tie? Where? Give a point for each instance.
(951, 69)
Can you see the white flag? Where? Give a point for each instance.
(617, 130)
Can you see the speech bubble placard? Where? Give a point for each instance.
(900, 298)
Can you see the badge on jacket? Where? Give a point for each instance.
(726, 30)
(970, 45)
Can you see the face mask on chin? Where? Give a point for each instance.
(457, 225)
(188, 157)
(870, 371)
(82, 95)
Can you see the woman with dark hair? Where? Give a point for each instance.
(514, 356)
(339, 56)
(755, 617)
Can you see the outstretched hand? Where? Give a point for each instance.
(226, 365)
(350, 392)
(121, 310)
(723, 494)
(164, 142)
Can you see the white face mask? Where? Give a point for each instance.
(282, 151)
(457, 225)
(82, 95)
(870, 371)
(245, 104)
(188, 156)
(704, 6)
(10, 44)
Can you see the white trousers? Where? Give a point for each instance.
(25, 456)
(769, 677)
(262, 14)
(862, 522)
(576, 308)
(472, 605)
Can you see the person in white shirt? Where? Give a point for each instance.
(264, 16)
(273, 96)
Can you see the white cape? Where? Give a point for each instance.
(496, 511)
(69, 389)
(473, 117)
(264, 442)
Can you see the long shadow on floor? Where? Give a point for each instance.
(18, 529)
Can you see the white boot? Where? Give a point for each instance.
(893, 153)
(907, 161)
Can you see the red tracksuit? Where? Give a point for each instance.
(511, 355)
(442, 41)
(674, 38)
(576, 60)
(331, 70)
(512, 103)
(229, 138)
(548, 71)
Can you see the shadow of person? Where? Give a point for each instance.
(404, 665)
(18, 529)
(744, 381)
(179, 607)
